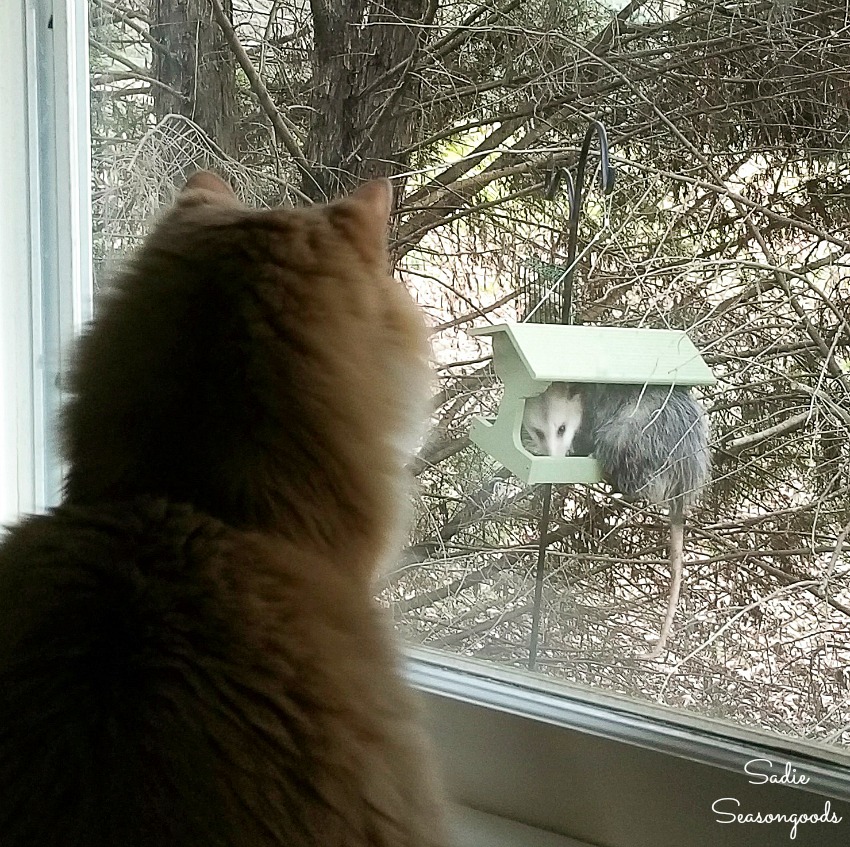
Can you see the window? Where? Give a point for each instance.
(723, 222)
(45, 245)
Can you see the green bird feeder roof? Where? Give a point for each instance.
(552, 352)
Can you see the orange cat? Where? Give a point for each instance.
(190, 655)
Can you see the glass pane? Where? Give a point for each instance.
(728, 219)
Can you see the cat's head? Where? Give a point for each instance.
(251, 360)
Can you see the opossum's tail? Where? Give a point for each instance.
(652, 443)
(677, 567)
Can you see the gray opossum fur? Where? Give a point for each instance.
(652, 441)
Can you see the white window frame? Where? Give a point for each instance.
(514, 745)
(45, 239)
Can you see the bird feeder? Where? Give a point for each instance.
(529, 357)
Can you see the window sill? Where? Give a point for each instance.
(471, 828)
(604, 769)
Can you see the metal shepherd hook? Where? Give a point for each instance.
(575, 196)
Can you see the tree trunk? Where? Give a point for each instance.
(361, 89)
(199, 67)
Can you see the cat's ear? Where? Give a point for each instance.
(210, 182)
(376, 197)
(364, 216)
(206, 187)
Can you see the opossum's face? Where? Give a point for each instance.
(552, 420)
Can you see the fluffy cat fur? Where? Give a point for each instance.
(190, 653)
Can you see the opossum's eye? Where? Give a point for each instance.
(562, 429)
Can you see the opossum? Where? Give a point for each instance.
(651, 442)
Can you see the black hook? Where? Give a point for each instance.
(552, 182)
(607, 177)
